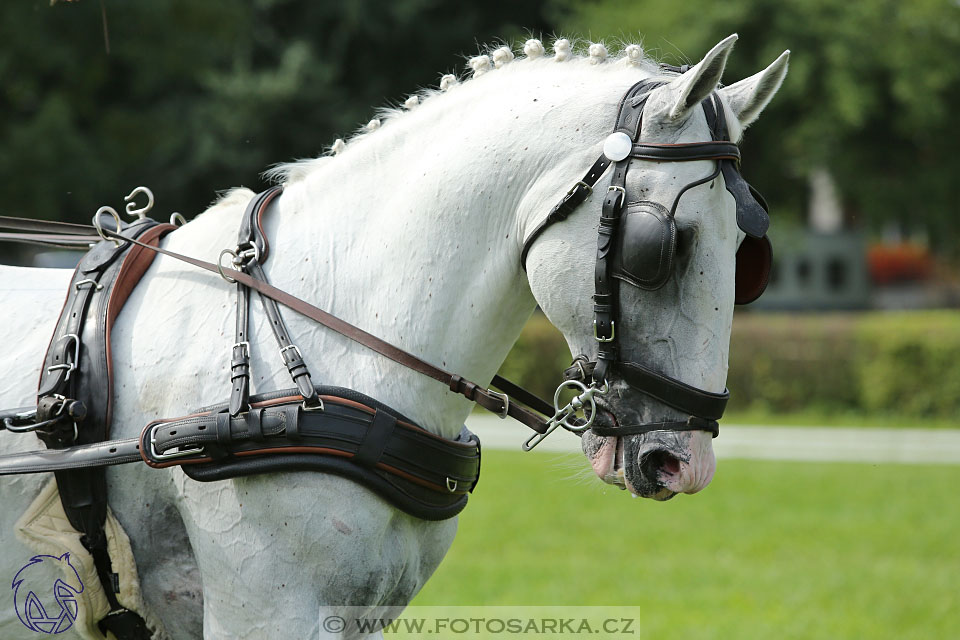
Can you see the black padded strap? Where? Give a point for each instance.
(684, 152)
(693, 423)
(673, 392)
(369, 436)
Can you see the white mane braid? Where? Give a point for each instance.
(495, 57)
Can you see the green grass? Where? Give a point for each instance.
(815, 418)
(769, 550)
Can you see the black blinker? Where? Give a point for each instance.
(647, 243)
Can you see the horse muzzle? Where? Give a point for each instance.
(656, 463)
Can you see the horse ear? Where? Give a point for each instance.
(748, 97)
(687, 91)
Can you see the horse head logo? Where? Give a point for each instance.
(31, 588)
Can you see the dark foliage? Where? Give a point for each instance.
(195, 97)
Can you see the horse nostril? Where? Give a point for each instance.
(653, 462)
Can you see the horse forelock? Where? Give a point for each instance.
(528, 56)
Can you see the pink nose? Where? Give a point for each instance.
(685, 477)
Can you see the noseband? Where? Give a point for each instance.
(636, 244)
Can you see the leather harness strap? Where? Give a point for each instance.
(487, 399)
(384, 441)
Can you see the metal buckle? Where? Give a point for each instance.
(564, 414)
(89, 281)
(177, 219)
(506, 402)
(166, 456)
(246, 348)
(71, 366)
(583, 372)
(451, 484)
(614, 187)
(580, 183)
(613, 332)
(295, 349)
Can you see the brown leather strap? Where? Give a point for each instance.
(487, 399)
(46, 226)
(64, 241)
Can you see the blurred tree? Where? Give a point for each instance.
(199, 96)
(871, 94)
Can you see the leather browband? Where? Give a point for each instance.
(686, 151)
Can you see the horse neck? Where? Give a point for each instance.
(413, 233)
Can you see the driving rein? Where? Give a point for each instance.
(336, 430)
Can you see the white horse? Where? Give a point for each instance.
(413, 231)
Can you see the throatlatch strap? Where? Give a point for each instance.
(573, 199)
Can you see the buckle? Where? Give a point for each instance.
(580, 183)
(71, 366)
(295, 350)
(173, 454)
(613, 332)
(506, 402)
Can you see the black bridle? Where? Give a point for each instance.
(647, 242)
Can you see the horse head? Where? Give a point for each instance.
(673, 276)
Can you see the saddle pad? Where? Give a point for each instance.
(44, 528)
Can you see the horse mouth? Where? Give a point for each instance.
(641, 464)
